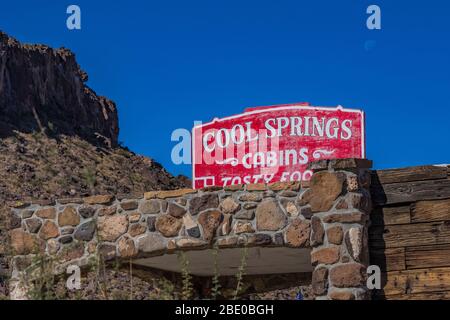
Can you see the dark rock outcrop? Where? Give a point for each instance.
(43, 89)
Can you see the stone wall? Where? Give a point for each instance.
(329, 215)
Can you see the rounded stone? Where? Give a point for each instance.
(225, 226)
(249, 205)
(23, 243)
(137, 229)
(47, 213)
(325, 187)
(354, 243)
(48, 230)
(210, 221)
(258, 239)
(129, 205)
(243, 227)
(71, 252)
(317, 231)
(297, 233)
(291, 208)
(201, 203)
(86, 212)
(175, 210)
(67, 230)
(107, 251)
(229, 206)
(335, 294)
(251, 196)
(134, 217)
(68, 217)
(270, 216)
(152, 243)
(306, 212)
(107, 211)
(151, 221)
(320, 281)
(335, 235)
(352, 216)
(110, 228)
(325, 256)
(348, 275)
(65, 239)
(245, 214)
(150, 207)
(86, 231)
(33, 225)
(98, 199)
(168, 225)
(278, 239)
(15, 221)
(126, 247)
(194, 232)
(27, 214)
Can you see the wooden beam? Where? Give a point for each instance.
(409, 174)
(416, 281)
(409, 235)
(410, 192)
(424, 211)
(388, 259)
(443, 295)
(390, 215)
(427, 256)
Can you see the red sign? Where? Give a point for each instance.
(271, 144)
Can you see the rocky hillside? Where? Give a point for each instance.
(36, 166)
(58, 138)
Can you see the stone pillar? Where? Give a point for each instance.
(340, 202)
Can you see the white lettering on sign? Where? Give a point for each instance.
(331, 128)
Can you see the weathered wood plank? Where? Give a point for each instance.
(443, 295)
(427, 256)
(390, 215)
(409, 235)
(416, 281)
(410, 191)
(388, 259)
(409, 174)
(437, 210)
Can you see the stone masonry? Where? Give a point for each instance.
(339, 229)
(329, 214)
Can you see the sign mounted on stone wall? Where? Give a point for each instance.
(272, 144)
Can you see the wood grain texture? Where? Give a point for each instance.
(409, 235)
(443, 295)
(410, 192)
(390, 215)
(416, 281)
(388, 259)
(425, 211)
(409, 174)
(427, 256)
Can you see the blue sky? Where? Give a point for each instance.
(168, 63)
